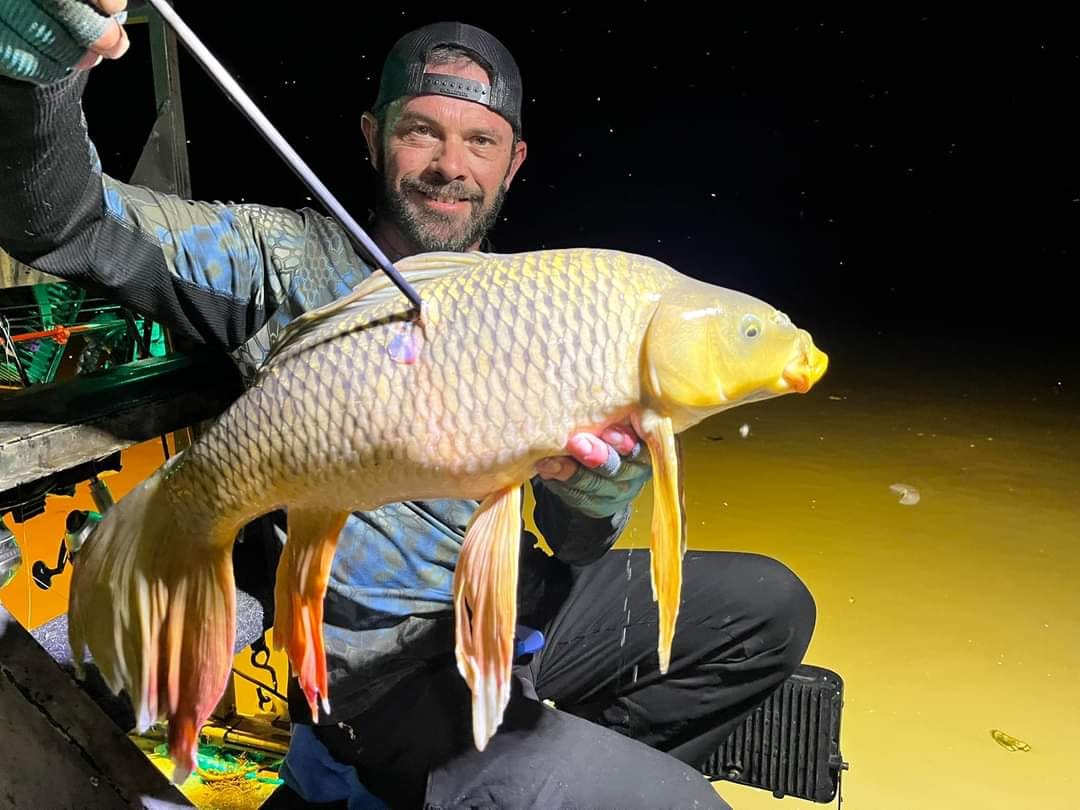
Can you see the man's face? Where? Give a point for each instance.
(444, 166)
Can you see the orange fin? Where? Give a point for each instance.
(155, 603)
(302, 574)
(485, 607)
(668, 540)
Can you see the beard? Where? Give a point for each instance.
(431, 230)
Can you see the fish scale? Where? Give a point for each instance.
(359, 404)
(515, 366)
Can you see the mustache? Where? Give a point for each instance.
(445, 192)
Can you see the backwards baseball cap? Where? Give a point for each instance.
(403, 71)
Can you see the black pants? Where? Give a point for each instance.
(622, 735)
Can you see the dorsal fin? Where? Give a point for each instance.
(446, 259)
(419, 271)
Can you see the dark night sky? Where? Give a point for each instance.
(910, 174)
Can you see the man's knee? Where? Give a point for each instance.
(792, 615)
(767, 610)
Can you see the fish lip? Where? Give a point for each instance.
(819, 367)
(797, 377)
(804, 372)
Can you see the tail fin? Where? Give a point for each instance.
(485, 607)
(302, 575)
(153, 598)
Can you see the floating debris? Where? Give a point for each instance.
(744, 431)
(909, 496)
(1008, 742)
(715, 438)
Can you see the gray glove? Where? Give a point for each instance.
(41, 41)
(608, 489)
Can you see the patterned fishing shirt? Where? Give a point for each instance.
(232, 276)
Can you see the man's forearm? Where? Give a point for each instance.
(48, 193)
(207, 271)
(573, 536)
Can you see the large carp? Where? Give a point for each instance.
(360, 404)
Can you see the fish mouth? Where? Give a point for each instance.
(802, 373)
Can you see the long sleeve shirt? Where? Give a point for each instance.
(232, 276)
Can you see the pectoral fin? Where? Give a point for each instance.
(668, 540)
(485, 607)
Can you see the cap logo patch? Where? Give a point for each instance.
(444, 85)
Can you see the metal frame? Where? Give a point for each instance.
(164, 161)
(164, 166)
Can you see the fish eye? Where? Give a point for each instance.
(751, 326)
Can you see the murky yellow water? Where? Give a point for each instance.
(947, 618)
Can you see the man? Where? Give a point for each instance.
(446, 141)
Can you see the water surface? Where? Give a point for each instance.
(947, 618)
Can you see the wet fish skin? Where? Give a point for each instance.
(359, 405)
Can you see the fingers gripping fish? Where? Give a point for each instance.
(358, 406)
